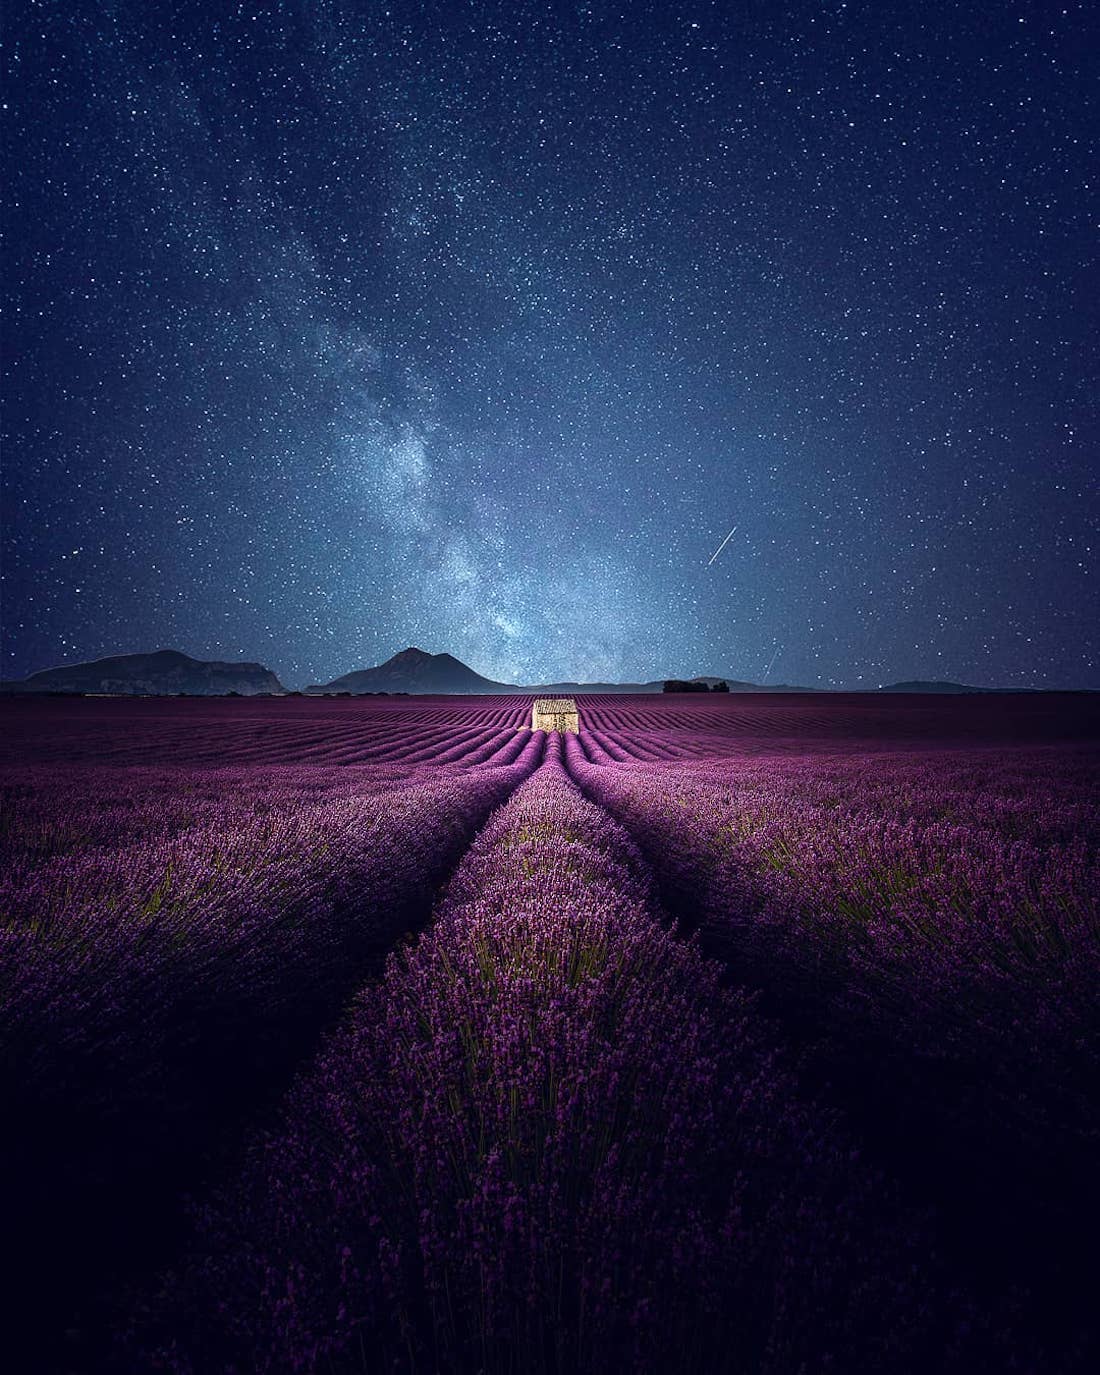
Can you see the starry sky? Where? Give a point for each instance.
(335, 326)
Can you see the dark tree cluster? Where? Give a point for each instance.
(683, 685)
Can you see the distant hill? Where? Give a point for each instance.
(919, 685)
(736, 685)
(566, 689)
(653, 685)
(415, 671)
(160, 674)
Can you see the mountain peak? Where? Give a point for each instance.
(412, 655)
(164, 656)
(413, 670)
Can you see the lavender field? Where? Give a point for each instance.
(751, 1034)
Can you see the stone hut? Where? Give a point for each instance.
(555, 713)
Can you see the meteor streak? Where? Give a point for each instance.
(722, 545)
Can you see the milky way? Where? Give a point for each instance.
(334, 328)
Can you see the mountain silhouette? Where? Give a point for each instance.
(413, 670)
(160, 674)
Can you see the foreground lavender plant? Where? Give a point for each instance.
(550, 1141)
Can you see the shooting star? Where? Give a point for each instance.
(768, 670)
(723, 545)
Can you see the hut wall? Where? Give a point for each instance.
(555, 714)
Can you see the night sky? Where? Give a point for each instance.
(338, 327)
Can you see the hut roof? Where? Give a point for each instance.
(555, 704)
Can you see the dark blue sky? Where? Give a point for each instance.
(337, 327)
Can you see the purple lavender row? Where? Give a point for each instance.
(952, 902)
(124, 945)
(205, 732)
(52, 810)
(550, 1140)
(933, 924)
(153, 992)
